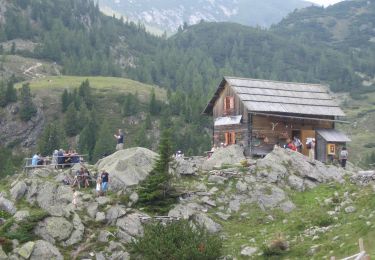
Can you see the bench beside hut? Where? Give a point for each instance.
(258, 114)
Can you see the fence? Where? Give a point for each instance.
(362, 255)
(68, 160)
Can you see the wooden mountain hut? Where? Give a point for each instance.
(258, 114)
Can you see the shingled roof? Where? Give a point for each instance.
(280, 97)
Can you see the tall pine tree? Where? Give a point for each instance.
(105, 144)
(27, 107)
(53, 138)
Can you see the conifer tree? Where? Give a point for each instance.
(148, 123)
(10, 93)
(155, 191)
(65, 100)
(27, 107)
(154, 106)
(71, 123)
(52, 138)
(105, 144)
(87, 137)
(141, 138)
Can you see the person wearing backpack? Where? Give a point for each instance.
(311, 147)
(343, 156)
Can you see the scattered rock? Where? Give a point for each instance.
(103, 200)
(7, 205)
(350, 209)
(241, 187)
(223, 216)
(209, 224)
(131, 225)
(134, 197)
(100, 216)
(45, 250)
(114, 213)
(185, 211)
(21, 215)
(103, 236)
(18, 190)
(217, 179)
(249, 251)
(77, 234)
(363, 178)
(26, 250)
(184, 167)
(235, 205)
(54, 228)
(92, 209)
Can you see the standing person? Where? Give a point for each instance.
(105, 179)
(98, 185)
(75, 198)
(311, 147)
(120, 140)
(343, 156)
(291, 145)
(297, 143)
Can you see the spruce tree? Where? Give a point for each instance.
(27, 107)
(66, 99)
(155, 191)
(87, 137)
(71, 123)
(52, 139)
(154, 106)
(105, 144)
(10, 93)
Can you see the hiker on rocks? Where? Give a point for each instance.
(297, 143)
(78, 177)
(86, 176)
(311, 147)
(105, 179)
(343, 157)
(120, 140)
(55, 158)
(60, 157)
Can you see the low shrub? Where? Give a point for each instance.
(321, 219)
(277, 247)
(176, 240)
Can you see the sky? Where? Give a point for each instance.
(325, 2)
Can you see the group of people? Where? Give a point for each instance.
(59, 158)
(83, 177)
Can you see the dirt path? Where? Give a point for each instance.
(28, 72)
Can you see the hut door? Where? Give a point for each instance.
(304, 135)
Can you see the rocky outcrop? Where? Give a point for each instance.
(54, 229)
(12, 129)
(363, 178)
(127, 167)
(231, 155)
(287, 168)
(45, 250)
(18, 190)
(7, 205)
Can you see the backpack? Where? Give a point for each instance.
(308, 146)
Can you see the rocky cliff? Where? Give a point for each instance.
(224, 193)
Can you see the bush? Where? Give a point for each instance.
(321, 219)
(177, 240)
(277, 247)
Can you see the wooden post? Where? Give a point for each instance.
(361, 245)
(250, 133)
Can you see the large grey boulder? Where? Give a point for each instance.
(233, 154)
(185, 211)
(78, 231)
(270, 196)
(284, 164)
(45, 250)
(127, 167)
(184, 167)
(208, 223)
(114, 213)
(18, 190)
(51, 197)
(54, 229)
(131, 224)
(7, 205)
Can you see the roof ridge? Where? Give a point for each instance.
(276, 81)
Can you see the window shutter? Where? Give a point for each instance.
(231, 102)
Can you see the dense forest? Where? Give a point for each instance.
(191, 63)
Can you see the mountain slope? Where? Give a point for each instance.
(169, 15)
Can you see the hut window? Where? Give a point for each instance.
(230, 138)
(228, 103)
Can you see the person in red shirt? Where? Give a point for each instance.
(291, 146)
